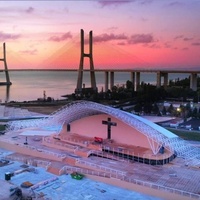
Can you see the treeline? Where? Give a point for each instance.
(147, 98)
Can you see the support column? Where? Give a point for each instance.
(106, 81)
(133, 79)
(5, 66)
(165, 80)
(158, 84)
(193, 81)
(111, 80)
(92, 74)
(7, 93)
(137, 82)
(80, 71)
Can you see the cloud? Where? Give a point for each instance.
(113, 28)
(29, 52)
(107, 37)
(30, 10)
(187, 39)
(154, 46)
(8, 36)
(167, 45)
(145, 1)
(104, 3)
(175, 3)
(141, 38)
(144, 19)
(196, 44)
(178, 37)
(121, 43)
(61, 38)
(124, 39)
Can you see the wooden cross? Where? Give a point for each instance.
(109, 124)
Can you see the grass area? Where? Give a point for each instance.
(186, 135)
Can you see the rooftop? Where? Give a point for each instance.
(62, 187)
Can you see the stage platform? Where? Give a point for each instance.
(86, 146)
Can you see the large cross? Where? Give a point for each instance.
(109, 124)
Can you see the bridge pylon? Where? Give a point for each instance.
(80, 87)
(5, 67)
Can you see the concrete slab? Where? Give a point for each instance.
(64, 188)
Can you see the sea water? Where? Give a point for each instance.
(31, 85)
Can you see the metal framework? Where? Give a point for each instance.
(156, 135)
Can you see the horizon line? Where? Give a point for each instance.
(113, 70)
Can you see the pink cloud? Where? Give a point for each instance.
(141, 38)
(8, 36)
(30, 10)
(187, 39)
(175, 3)
(121, 43)
(61, 38)
(29, 52)
(145, 1)
(108, 37)
(116, 3)
(154, 46)
(123, 39)
(167, 45)
(196, 44)
(178, 37)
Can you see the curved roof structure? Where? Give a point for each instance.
(156, 135)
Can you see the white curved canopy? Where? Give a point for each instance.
(156, 135)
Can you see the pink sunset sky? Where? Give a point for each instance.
(126, 33)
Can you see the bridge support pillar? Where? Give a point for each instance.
(193, 81)
(133, 79)
(89, 55)
(165, 75)
(159, 76)
(111, 80)
(158, 83)
(137, 81)
(5, 66)
(106, 81)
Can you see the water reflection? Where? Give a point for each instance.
(7, 93)
(4, 93)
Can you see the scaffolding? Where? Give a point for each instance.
(156, 135)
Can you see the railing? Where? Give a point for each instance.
(84, 143)
(67, 169)
(160, 187)
(43, 163)
(58, 155)
(123, 177)
(48, 140)
(16, 158)
(130, 156)
(110, 173)
(107, 169)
